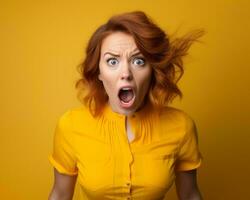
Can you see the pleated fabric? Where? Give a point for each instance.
(109, 166)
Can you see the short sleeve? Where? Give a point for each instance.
(189, 156)
(63, 157)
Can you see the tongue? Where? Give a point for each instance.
(126, 95)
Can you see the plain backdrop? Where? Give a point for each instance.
(42, 42)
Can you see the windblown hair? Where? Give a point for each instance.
(164, 54)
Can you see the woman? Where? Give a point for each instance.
(126, 142)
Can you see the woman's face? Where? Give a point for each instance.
(124, 72)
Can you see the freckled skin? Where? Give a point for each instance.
(123, 69)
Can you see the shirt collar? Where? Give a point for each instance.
(140, 114)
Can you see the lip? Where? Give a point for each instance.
(126, 86)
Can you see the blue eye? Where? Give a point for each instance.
(112, 61)
(139, 61)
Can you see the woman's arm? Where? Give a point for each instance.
(63, 188)
(186, 185)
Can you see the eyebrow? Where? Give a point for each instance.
(117, 55)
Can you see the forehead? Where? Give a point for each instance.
(118, 42)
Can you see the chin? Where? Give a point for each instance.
(127, 112)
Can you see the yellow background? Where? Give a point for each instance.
(43, 41)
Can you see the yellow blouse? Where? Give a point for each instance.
(110, 167)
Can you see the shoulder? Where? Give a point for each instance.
(77, 119)
(175, 115)
(75, 113)
(177, 119)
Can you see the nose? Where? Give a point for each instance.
(126, 73)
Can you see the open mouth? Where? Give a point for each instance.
(126, 96)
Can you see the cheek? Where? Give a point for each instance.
(108, 83)
(107, 86)
(145, 81)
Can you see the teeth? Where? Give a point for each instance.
(126, 88)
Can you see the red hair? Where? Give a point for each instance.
(162, 53)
